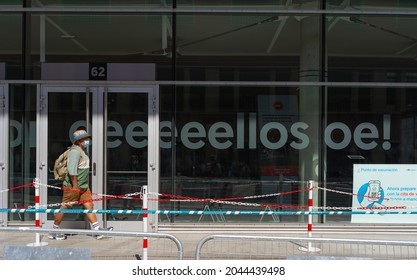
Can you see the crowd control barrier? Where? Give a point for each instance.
(117, 244)
(273, 247)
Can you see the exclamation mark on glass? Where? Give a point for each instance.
(387, 132)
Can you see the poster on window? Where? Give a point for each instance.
(278, 161)
(382, 188)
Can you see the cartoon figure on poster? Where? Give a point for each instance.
(371, 193)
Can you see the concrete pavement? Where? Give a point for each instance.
(129, 246)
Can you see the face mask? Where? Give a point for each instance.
(86, 143)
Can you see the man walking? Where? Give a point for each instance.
(76, 184)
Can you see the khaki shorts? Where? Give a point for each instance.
(71, 197)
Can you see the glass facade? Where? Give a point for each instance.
(256, 97)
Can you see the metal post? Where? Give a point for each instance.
(145, 221)
(38, 242)
(310, 248)
(310, 208)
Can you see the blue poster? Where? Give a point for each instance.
(382, 188)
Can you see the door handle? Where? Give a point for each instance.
(2, 165)
(94, 169)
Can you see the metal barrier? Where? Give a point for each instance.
(117, 244)
(264, 247)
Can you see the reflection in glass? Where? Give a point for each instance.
(239, 157)
(126, 150)
(22, 154)
(67, 112)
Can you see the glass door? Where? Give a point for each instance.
(4, 140)
(122, 122)
(131, 152)
(61, 111)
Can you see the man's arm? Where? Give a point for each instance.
(73, 160)
(74, 182)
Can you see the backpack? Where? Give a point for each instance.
(61, 165)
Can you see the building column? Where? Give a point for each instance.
(310, 104)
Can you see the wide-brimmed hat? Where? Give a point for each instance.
(79, 135)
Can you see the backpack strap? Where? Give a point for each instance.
(78, 148)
